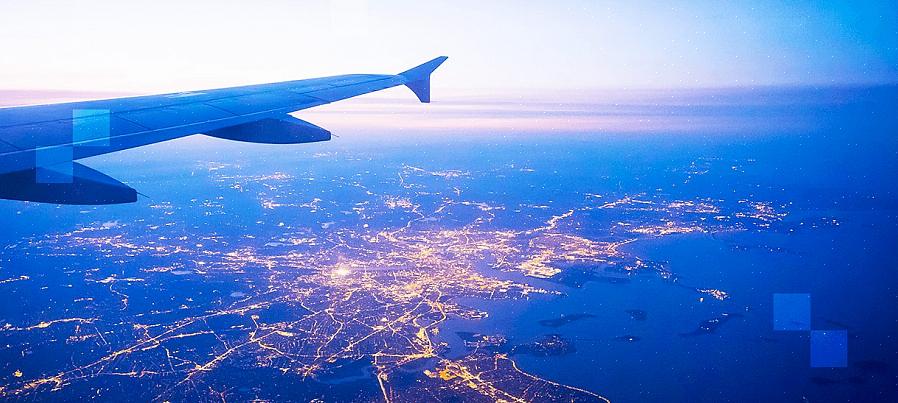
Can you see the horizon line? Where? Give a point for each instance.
(47, 96)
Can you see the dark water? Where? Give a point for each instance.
(844, 171)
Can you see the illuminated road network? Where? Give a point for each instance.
(353, 293)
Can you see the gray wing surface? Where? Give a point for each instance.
(39, 144)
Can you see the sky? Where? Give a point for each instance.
(141, 46)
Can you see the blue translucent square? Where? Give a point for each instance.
(791, 311)
(829, 348)
(91, 125)
(54, 164)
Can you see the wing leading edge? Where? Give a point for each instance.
(39, 144)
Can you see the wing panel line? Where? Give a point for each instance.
(10, 146)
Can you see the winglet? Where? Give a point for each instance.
(418, 78)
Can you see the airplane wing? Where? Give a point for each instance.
(40, 144)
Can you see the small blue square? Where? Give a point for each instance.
(829, 348)
(791, 311)
(91, 126)
(54, 164)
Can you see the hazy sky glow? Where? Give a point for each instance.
(163, 45)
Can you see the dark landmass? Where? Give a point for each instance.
(476, 341)
(712, 325)
(565, 319)
(550, 345)
(576, 276)
(872, 366)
